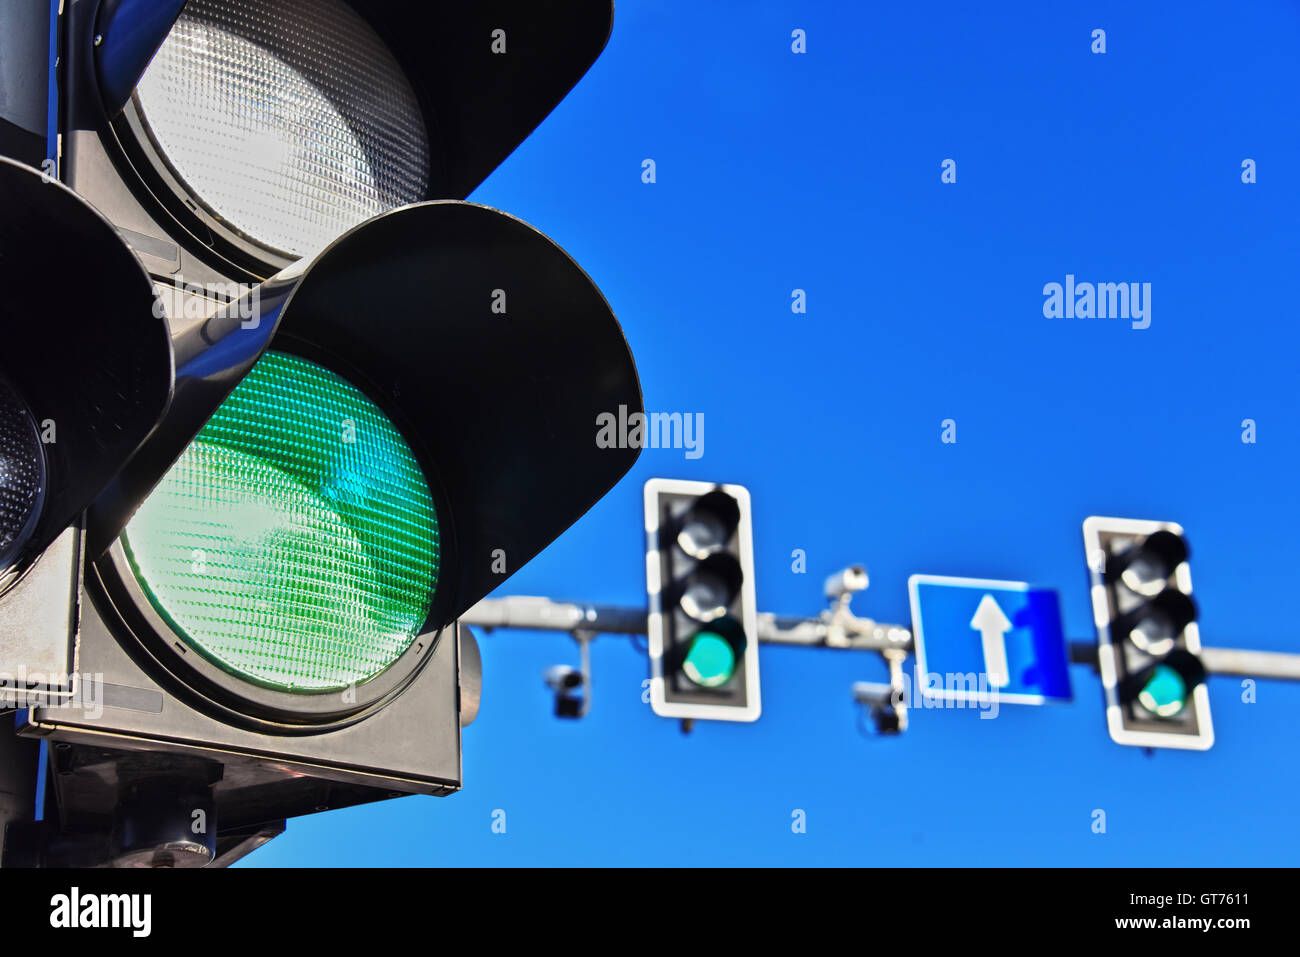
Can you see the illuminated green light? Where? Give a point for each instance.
(1165, 692)
(710, 660)
(294, 543)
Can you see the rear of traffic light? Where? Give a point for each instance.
(1149, 645)
(703, 618)
(356, 449)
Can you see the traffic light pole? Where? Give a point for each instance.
(1220, 661)
(530, 613)
(836, 628)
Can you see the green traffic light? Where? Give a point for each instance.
(294, 543)
(710, 660)
(1165, 692)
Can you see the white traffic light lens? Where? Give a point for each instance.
(1146, 575)
(702, 534)
(1145, 567)
(706, 596)
(708, 524)
(290, 120)
(1154, 632)
(294, 543)
(22, 473)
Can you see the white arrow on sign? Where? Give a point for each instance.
(992, 624)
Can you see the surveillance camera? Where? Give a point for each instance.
(888, 719)
(568, 707)
(876, 694)
(567, 683)
(886, 704)
(846, 581)
(562, 678)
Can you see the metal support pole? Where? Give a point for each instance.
(542, 614)
(834, 629)
(1255, 664)
(532, 613)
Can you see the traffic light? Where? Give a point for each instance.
(703, 616)
(228, 138)
(85, 377)
(368, 404)
(1148, 643)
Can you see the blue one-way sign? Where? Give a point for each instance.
(1008, 634)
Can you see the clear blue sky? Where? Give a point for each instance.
(821, 171)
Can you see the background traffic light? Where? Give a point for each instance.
(1148, 642)
(321, 470)
(703, 616)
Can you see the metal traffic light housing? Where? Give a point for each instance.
(426, 98)
(85, 377)
(703, 614)
(1149, 644)
(91, 360)
(477, 355)
(499, 410)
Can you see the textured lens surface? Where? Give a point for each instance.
(702, 535)
(1154, 633)
(705, 596)
(294, 542)
(288, 119)
(1146, 575)
(22, 471)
